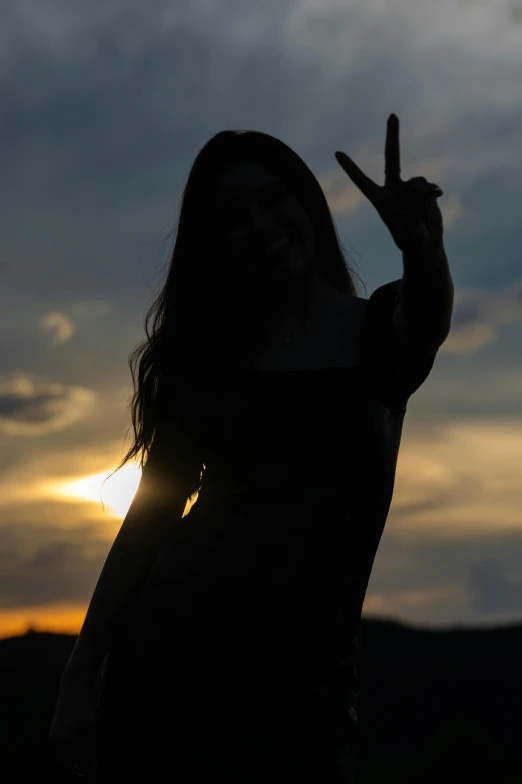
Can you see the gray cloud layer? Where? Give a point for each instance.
(105, 105)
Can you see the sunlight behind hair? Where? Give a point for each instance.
(117, 492)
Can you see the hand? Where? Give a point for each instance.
(73, 735)
(409, 209)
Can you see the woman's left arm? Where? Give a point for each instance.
(422, 319)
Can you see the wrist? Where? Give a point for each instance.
(425, 264)
(427, 251)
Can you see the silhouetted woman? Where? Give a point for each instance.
(273, 389)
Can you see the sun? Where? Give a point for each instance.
(117, 492)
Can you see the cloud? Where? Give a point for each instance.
(442, 580)
(104, 108)
(91, 309)
(62, 326)
(118, 98)
(478, 315)
(493, 589)
(58, 323)
(515, 13)
(42, 563)
(459, 478)
(36, 407)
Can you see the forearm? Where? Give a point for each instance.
(144, 532)
(426, 294)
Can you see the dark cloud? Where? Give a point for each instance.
(32, 407)
(458, 578)
(479, 315)
(104, 107)
(492, 589)
(45, 564)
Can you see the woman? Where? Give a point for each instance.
(273, 390)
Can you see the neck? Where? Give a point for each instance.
(294, 308)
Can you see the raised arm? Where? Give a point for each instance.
(410, 211)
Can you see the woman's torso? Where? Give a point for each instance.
(263, 583)
(334, 337)
(286, 468)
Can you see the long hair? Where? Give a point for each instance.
(197, 312)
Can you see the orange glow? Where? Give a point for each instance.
(61, 619)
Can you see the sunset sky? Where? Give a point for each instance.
(103, 108)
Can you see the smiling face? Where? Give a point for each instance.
(252, 209)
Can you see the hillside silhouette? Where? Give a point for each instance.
(435, 706)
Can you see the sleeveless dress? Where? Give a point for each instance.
(239, 654)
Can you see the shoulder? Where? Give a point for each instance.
(407, 372)
(386, 296)
(381, 303)
(352, 304)
(376, 311)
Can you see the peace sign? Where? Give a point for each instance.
(409, 209)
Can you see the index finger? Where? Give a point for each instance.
(392, 153)
(367, 186)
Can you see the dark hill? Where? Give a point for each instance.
(436, 705)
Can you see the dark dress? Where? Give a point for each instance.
(239, 654)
